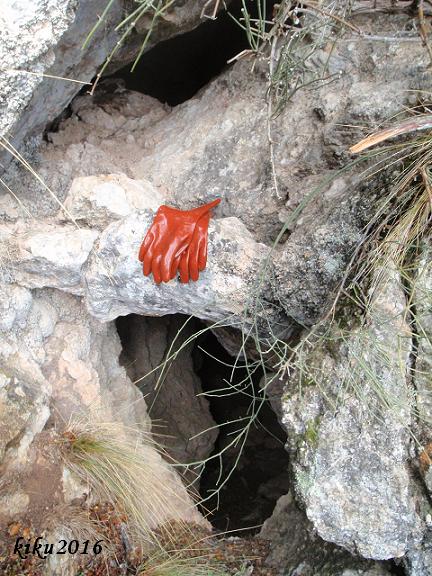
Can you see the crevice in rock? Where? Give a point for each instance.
(189, 408)
(397, 568)
(175, 69)
(260, 469)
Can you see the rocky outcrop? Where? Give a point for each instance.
(43, 65)
(57, 362)
(70, 270)
(419, 560)
(348, 433)
(296, 548)
(104, 266)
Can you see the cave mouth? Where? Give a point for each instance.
(258, 472)
(248, 480)
(174, 70)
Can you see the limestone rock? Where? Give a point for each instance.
(48, 255)
(115, 285)
(98, 200)
(43, 39)
(357, 492)
(58, 362)
(297, 549)
(422, 293)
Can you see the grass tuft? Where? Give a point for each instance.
(124, 467)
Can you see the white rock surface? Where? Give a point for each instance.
(115, 286)
(104, 267)
(56, 362)
(98, 200)
(350, 445)
(50, 255)
(41, 55)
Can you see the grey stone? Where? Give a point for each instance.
(57, 363)
(98, 200)
(296, 549)
(115, 286)
(43, 38)
(357, 493)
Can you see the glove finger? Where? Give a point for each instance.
(175, 265)
(202, 237)
(155, 268)
(198, 235)
(202, 251)
(193, 262)
(184, 267)
(146, 243)
(172, 252)
(201, 210)
(165, 266)
(147, 263)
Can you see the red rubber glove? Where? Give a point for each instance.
(175, 233)
(194, 259)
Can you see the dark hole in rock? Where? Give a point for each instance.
(260, 469)
(175, 69)
(182, 415)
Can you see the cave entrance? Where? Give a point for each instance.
(199, 405)
(174, 70)
(241, 484)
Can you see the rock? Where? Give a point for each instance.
(106, 268)
(59, 363)
(351, 464)
(98, 200)
(47, 255)
(115, 286)
(180, 414)
(419, 560)
(16, 404)
(422, 290)
(296, 548)
(357, 493)
(43, 39)
(216, 144)
(310, 266)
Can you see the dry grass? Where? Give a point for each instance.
(123, 466)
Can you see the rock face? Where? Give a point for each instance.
(43, 39)
(357, 492)
(419, 560)
(115, 286)
(172, 394)
(67, 273)
(296, 549)
(56, 362)
(104, 266)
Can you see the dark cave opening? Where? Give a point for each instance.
(175, 69)
(260, 468)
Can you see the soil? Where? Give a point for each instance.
(227, 553)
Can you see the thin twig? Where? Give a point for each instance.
(43, 75)
(215, 9)
(423, 29)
